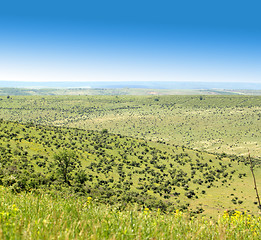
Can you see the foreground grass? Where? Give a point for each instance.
(28, 216)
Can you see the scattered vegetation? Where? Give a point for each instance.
(117, 169)
(81, 167)
(223, 124)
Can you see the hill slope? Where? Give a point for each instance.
(113, 168)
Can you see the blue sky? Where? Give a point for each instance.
(213, 41)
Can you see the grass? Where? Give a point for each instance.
(30, 216)
(141, 156)
(216, 123)
(123, 169)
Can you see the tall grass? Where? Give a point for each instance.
(30, 216)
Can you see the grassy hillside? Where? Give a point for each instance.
(123, 170)
(220, 124)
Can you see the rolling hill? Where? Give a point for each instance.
(123, 170)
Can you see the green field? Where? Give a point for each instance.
(229, 124)
(115, 167)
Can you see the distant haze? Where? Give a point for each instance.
(133, 84)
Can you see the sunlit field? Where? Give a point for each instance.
(129, 167)
(30, 216)
(220, 124)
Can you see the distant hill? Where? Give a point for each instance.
(224, 123)
(121, 91)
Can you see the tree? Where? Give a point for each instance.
(65, 162)
(81, 177)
